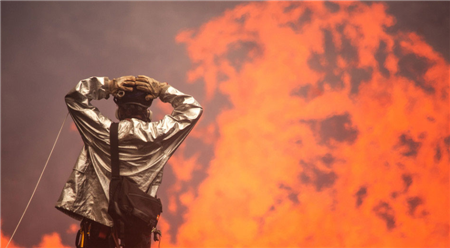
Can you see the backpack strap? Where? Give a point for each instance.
(114, 141)
(115, 171)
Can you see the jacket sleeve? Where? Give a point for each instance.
(186, 112)
(173, 129)
(92, 125)
(167, 134)
(153, 142)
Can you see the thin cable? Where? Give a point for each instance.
(39, 180)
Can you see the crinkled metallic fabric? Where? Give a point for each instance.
(144, 148)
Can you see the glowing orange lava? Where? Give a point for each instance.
(337, 134)
(52, 240)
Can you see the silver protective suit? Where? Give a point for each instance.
(144, 148)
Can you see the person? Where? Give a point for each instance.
(144, 148)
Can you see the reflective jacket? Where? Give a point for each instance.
(144, 148)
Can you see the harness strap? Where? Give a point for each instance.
(114, 140)
(115, 171)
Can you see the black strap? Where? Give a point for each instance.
(115, 171)
(114, 139)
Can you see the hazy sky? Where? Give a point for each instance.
(47, 47)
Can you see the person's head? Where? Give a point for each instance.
(133, 105)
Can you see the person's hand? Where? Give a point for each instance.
(117, 86)
(150, 86)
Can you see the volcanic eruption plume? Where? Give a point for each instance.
(336, 131)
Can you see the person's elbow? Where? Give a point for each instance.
(199, 112)
(70, 98)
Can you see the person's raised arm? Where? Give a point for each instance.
(92, 125)
(186, 112)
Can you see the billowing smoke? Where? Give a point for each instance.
(336, 132)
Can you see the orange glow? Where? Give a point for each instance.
(52, 240)
(4, 241)
(73, 127)
(327, 143)
(73, 228)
